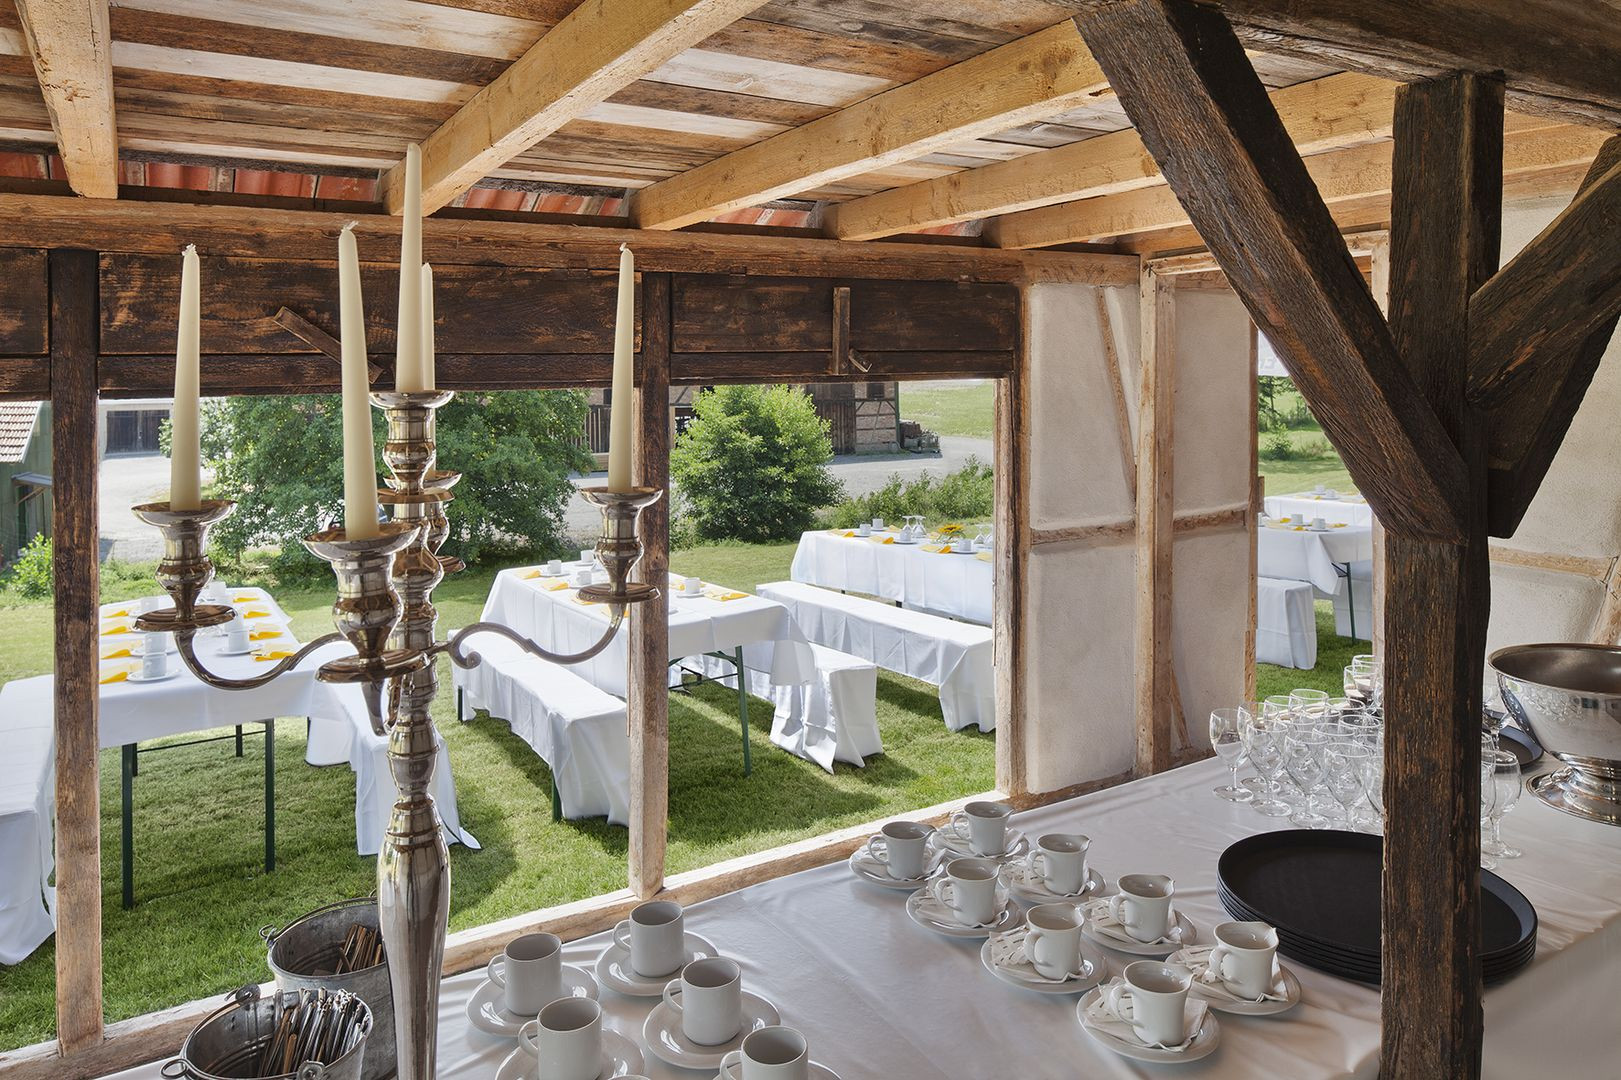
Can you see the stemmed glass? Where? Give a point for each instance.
(1262, 738)
(1488, 801)
(1501, 769)
(1342, 770)
(1364, 680)
(1303, 760)
(1372, 772)
(1226, 735)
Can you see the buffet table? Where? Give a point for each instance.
(1347, 509)
(878, 996)
(943, 583)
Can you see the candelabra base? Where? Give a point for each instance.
(170, 620)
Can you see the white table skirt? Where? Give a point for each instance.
(1352, 510)
(698, 625)
(1303, 555)
(942, 583)
(880, 997)
(1285, 624)
(27, 794)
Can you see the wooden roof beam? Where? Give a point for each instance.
(1017, 83)
(1324, 114)
(594, 52)
(70, 43)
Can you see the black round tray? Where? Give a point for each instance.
(1320, 889)
(1520, 745)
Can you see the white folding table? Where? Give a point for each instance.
(940, 582)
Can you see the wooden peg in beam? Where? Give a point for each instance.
(318, 339)
(841, 330)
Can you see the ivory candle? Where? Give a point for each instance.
(185, 470)
(409, 374)
(359, 455)
(427, 326)
(623, 406)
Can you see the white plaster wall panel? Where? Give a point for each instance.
(1080, 721)
(1540, 605)
(1075, 471)
(1125, 319)
(1210, 422)
(1209, 617)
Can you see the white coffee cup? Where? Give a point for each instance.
(709, 999)
(963, 544)
(655, 936)
(1319, 523)
(863, 529)
(154, 660)
(968, 891)
(529, 971)
(771, 1053)
(901, 848)
(692, 586)
(566, 1039)
(1157, 995)
(583, 576)
(1059, 859)
(237, 638)
(1243, 957)
(554, 568)
(1143, 905)
(1053, 940)
(983, 825)
(877, 523)
(588, 556)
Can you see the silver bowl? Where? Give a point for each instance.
(1568, 696)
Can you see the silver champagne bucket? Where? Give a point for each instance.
(304, 954)
(229, 1041)
(1568, 696)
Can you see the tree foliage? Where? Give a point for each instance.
(752, 465)
(281, 459)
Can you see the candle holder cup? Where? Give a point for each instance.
(620, 547)
(185, 569)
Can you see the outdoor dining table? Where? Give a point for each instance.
(917, 576)
(878, 996)
(1324, 558)
(1343, 508)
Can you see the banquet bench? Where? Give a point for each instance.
(579, 731)
(954, 656)
(26, 804)
(1285, 623)
(834, 717)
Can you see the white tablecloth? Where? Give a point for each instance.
(880, 997)
(1350, 509)
(942, 583)
(698, 625)
(27, 792)
(1303, 555)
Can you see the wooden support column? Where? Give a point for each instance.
(1253, 525)
(1446, 218)
(649, 698)
(1155, 517)
(1012, 552)
(1379, 259)
(74, 317)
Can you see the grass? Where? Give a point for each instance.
(1333, 656)
(957, 407)
(1313, 460)
(202, 893)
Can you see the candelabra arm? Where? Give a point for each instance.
(469, 658)
(183, 642)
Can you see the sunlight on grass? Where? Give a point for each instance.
(960, 407)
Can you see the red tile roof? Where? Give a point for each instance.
(16, 428)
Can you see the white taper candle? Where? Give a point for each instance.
(359, 455)
(427, 327)
(409, 375)
(185, 464)
(622, 409)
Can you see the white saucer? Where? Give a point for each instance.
(137, 677)
(1182, 933)
(613, 968)
(818, 1071)
(663, 1037)
(946, 841)
(1204, 1043)
(249, 651)
(486, 1012)
(1226, 1002)
(1026, 977)
(871, 870)
(927, 912)
(620, 1058)
(1018, 880)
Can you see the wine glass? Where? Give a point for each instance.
(1488, 803)
(1262, 738)
(1303, 761)
(1373, 776)
(1342, 770)
(1310, 703)
(1226, 735)
(1502, 771)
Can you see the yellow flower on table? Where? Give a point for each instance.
(950, 530)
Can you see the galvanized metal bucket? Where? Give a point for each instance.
(305, 953)
(229, 1040)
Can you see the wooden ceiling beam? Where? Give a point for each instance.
(1344, 179)
(1018, 83)
(70, 43)
(1324, 114)
(1183, 79)
(594, 52)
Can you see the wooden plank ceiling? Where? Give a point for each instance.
(318, 98)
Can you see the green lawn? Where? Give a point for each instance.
(200, 886)
(1333, 656)
(961, 407)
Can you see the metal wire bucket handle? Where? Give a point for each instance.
(177, 1069)
(269, 932)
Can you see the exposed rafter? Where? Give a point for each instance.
(1017, 83)
(1325, 114)
(596, 50)
(71, 45)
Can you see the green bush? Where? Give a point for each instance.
(751, 466)
(966, 496)
(1279, 446)
(31, 574)
(281, 459)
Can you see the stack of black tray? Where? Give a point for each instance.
(1320, 889)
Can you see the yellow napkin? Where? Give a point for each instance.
(724, 594)
(117, 676)
(529, 575)
(935, 550)
(263, 635)
(983, 556)
(121, 613)
(842, 532)
(243, 599)
(1299, 528)
(273, 654)
(883, 539)
(116, 654)
(1339, 524)
(255, 614)
(115, 630)
(578, 599)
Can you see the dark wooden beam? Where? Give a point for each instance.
(1184, 80)
(1538, 330)
(318, 339)
(1446, 216)
(1560, 57)
(76, 564)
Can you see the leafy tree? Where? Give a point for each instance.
(965, 497)
(281, 459)
(752, 465)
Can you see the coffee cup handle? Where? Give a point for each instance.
(938, 890)
(1117, 911)
(529, 1036)
(957, 822)
(878, 850)
(1035, 867)
(732, 1059)
(1114, 1001)
(1033, 938)
(1218, 958)
(672, 994)
(496, 970)
(621, 934)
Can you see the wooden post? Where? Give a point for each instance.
(1446, 218)
(76, 564)
(1379, 257)
(1253, 525)
(1155, 518)
(1012, 550)
(649, 695)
